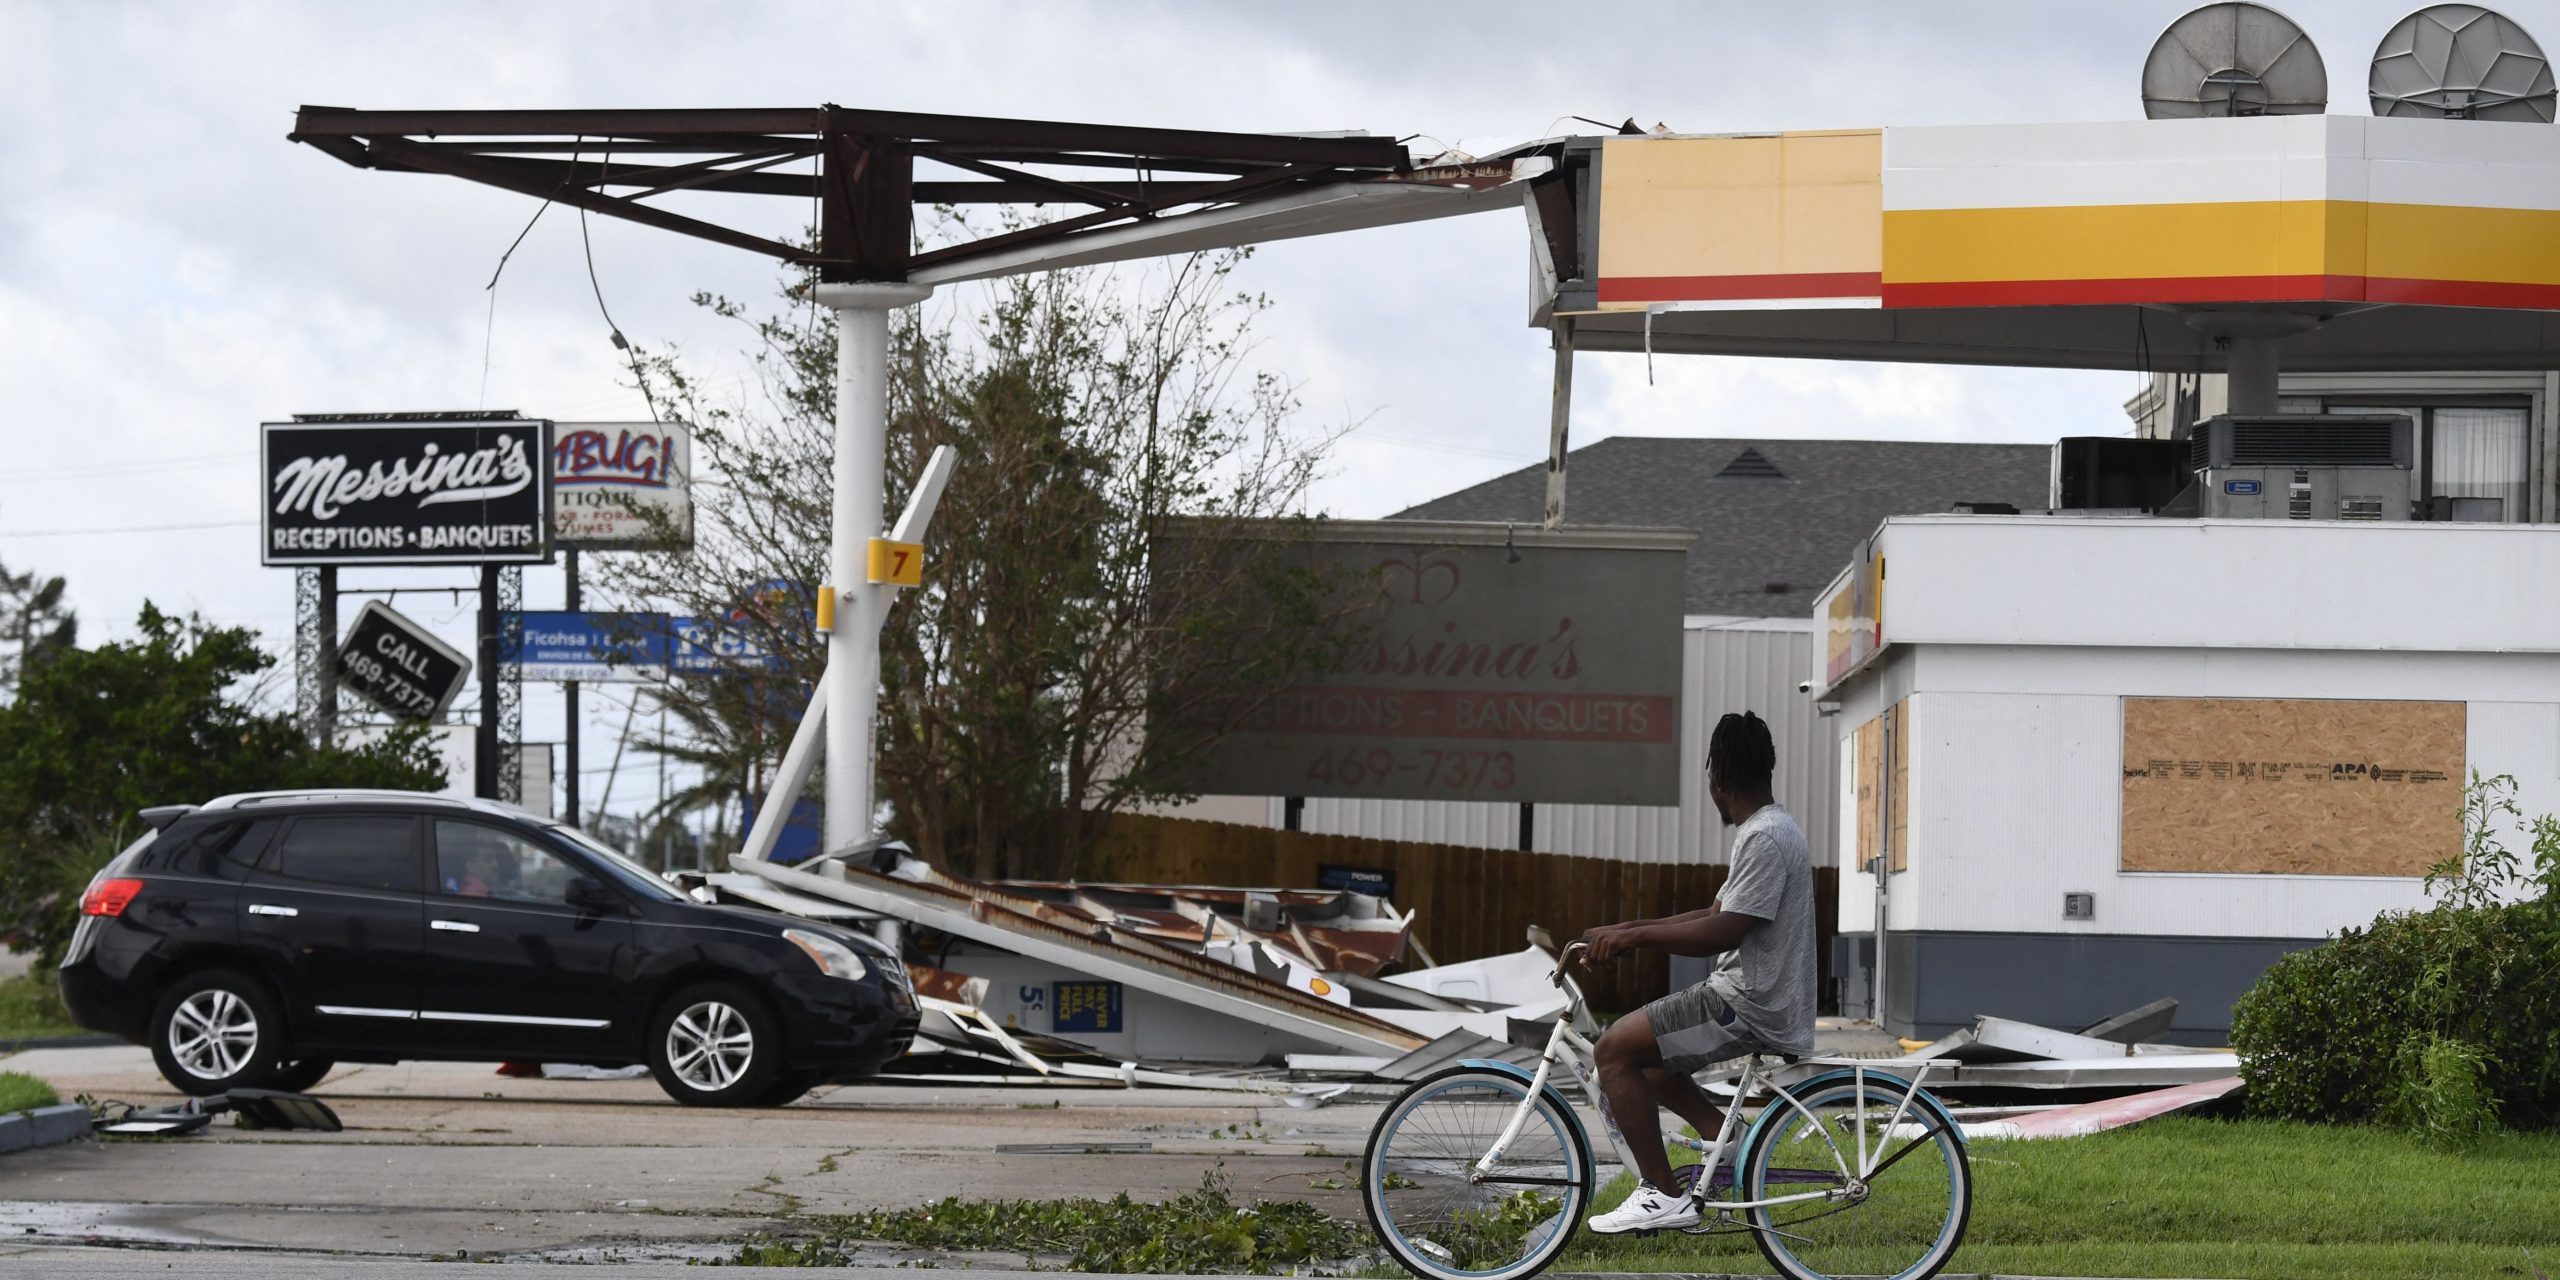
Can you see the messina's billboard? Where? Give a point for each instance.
(407, 491)
(1483, 663)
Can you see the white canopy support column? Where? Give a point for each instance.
(793, 775)
(852, 686)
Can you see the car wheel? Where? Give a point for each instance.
(300, 1074)
(713, 1045)
(217, 1030)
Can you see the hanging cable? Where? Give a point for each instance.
(586, 243)
(489, 327)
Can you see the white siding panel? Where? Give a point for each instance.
(2023, 803)
(2522, 740)
(2221, 584)
(2240, 673)
(2013, 803)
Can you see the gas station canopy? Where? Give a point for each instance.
(2348, 242)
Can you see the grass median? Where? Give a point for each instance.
(2230, 1199)
(31, 1008)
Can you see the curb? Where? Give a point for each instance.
(43, 1127)
(62, 1042)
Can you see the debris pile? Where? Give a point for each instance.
(1286, 991)
(2112, 1068)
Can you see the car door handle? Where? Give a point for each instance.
(265, 909)
(454, 926)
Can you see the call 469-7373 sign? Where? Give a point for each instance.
(396, 665)
(395, 491)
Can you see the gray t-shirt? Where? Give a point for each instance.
(1768, 980)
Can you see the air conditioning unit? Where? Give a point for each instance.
(2302, 466)
(2111, 473)
(2302, 440)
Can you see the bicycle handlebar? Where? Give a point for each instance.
(1564, 960)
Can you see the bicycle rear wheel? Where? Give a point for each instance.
(1439, 1219)
(1896, 1193)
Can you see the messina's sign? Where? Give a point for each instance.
(407, 492)
(1488, 664)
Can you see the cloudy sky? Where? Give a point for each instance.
(172, 271)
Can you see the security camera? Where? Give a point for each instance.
(1826, 708)
(1804, 686)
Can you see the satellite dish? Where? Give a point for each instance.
(2461, 62)
(2233, 59)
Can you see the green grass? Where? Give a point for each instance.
(31, 1006)
(2236, 1200)
(22, 1092)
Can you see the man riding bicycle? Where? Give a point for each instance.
(1759, 999)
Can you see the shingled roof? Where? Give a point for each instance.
(1766, 511)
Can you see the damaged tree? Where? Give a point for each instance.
(1092, 411)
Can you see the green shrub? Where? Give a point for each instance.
(2445, 1021)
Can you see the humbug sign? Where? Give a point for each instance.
(621, 485)
(417, 490)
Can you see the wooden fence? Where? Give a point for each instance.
(1467, 902)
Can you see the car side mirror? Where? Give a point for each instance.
(587, 893)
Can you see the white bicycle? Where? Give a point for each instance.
(1484, 1171)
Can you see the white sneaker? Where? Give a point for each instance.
(1648, 1210)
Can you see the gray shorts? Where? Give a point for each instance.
(1695, 1030)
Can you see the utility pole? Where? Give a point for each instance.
(569, 740)
(325, 715)
(661, 809)
(485, 763)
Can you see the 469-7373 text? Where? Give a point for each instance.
(1459, 772)
(384, 684)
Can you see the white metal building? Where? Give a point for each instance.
(2136, 757)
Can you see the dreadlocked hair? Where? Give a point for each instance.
(1740, 757)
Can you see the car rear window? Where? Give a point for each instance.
(215, 850)
(358, 852)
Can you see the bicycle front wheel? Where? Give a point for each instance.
(1885, 1196)
(1441, 1217)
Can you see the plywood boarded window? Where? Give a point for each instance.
(1874, 824)
(2291, 786)
(1898, 795)
(1870, 776)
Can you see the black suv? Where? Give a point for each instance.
(260, 939)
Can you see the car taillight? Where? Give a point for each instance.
(109, 897)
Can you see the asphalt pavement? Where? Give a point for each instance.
(441, 1159)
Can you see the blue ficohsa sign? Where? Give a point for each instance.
(1092, 1008)
(2243, 488)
